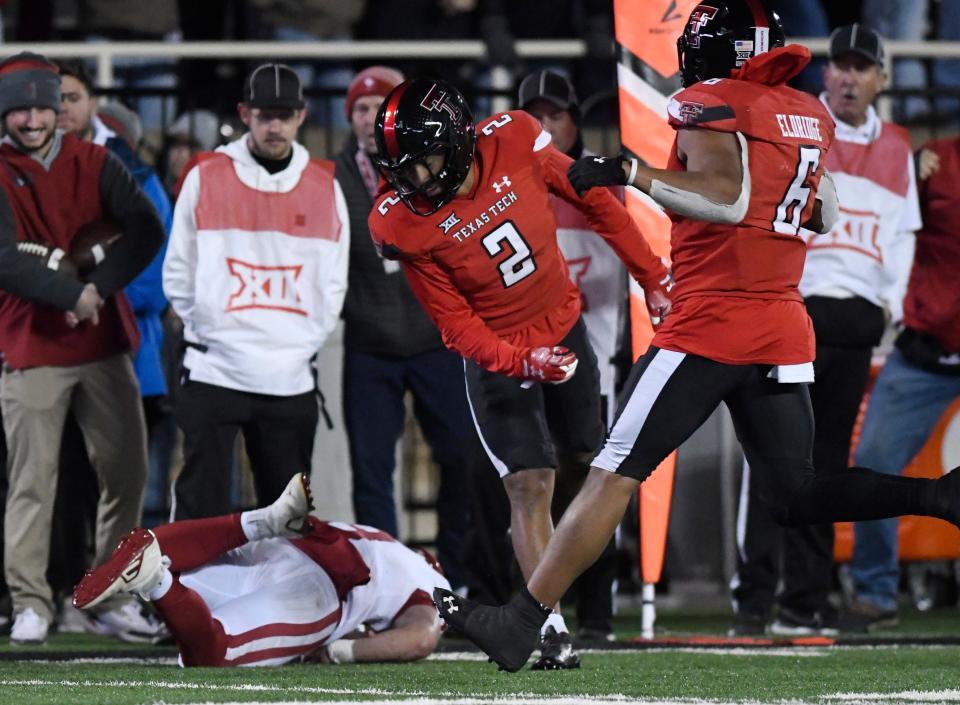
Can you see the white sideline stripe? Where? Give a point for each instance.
(184, 685)
(642, 91)
(792, 652)
(421, 698)
(465, 656)
(926, 696)
(100, 661)
(510, 700)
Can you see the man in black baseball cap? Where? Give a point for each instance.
(273, 109)
(857, 39)
(549, 97)
(855, 73)
(273, 86)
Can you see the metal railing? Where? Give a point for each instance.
(106, 53)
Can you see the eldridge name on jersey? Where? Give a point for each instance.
(736, 300)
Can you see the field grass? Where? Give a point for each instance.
(892, 672)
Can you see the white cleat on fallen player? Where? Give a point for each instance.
(286, 517)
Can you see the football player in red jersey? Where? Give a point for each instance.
(469, 218)
(746, 173)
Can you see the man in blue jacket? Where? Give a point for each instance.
(118, 132)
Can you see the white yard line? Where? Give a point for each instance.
(792, 652)
(414, 697)
(99, 661)
(183, 685)
(913, 696)
(502, 700)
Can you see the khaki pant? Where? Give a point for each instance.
(105, 399)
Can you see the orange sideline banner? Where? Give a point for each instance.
(920, 538)
(648, 31)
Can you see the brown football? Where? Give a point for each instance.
(50, 255)
(90, 244)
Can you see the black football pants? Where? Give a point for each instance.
(278, 432)
(774, 423)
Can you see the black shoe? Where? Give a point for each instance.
(556, 652)
(863, 617)
(791, 623)
(507, 634)
(748, 624)
(595, 632)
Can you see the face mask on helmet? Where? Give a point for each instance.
(721, 36)
(425, 143)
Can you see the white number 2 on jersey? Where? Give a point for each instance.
(494, 124)
(518, 265)
(796, 197)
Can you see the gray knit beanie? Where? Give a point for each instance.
(28, 80)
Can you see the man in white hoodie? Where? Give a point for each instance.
(257, 269)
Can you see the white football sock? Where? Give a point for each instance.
(555, 620)
(254, 524)
(161, 588)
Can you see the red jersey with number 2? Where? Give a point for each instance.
(736, 299)
(487, 267)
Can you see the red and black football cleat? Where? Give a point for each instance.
(135, 566)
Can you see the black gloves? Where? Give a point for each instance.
(588, 172)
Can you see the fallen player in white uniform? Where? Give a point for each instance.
(275, 585)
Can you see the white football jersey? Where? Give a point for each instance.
(276, 602)
(399, 578)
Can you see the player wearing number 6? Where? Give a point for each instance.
(469, 218)
(745, 174)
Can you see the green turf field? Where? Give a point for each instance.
(880, 673)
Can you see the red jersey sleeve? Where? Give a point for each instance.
(608, 217)
(381, 234)
(460, 328)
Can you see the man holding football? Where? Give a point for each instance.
(66, 342)
(469, 219)
(745, 174)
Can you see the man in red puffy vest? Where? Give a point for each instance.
(66, 341)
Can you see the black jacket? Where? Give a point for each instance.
(381, 314)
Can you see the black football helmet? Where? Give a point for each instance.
(721, 35)
(417, 119)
